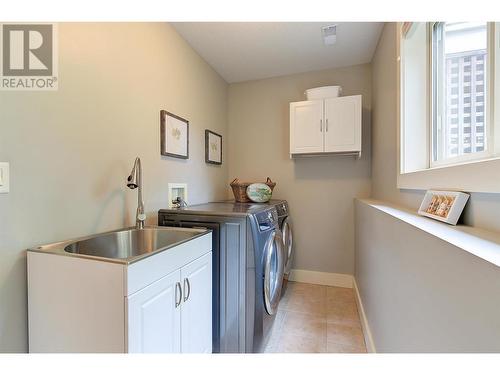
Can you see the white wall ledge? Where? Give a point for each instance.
(451, 177)
(479, 242)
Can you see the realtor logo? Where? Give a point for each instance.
(29, 60)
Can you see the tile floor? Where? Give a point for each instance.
(317, 319)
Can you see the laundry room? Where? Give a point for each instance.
(206, 185)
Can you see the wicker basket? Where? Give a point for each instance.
(240, 189)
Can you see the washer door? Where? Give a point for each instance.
(286, 229)
(274, 265)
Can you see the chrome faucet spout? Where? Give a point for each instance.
(134, 181)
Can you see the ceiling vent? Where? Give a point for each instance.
(329, 35)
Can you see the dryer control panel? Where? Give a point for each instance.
(267, 219)
(282, 208)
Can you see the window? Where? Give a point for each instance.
(459, 55)
(446, 90)
(449, 114)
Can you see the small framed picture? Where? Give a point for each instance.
(174, 135)
(446, 206)
(213, 147)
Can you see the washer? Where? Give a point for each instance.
(249, 263)
(285, 225)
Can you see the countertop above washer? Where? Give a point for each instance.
(228, 208)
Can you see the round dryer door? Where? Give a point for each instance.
(286, 229)
(274, 265)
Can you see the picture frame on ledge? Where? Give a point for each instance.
(445, 206)
(213, 147)
(174, 135)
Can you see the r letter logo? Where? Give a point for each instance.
(29, 60)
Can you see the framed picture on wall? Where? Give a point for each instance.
(446, 206)
(174, 135)
(213, 147)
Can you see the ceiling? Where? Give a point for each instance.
(242, 51)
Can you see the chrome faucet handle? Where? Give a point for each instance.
(140, 221)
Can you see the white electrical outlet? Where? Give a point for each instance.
(4, 178)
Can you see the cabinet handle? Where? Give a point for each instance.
(326, 124)
(321, 125)
(178, 294)
(186, 295)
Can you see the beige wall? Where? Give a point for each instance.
(71, 150)
(422, 294)
(483, 210)
(412, 284)
(320, 190)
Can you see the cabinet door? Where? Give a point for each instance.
(153, 319)
(343, 124)
(196, 308)
(306, 127)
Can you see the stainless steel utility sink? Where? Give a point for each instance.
(125, 245)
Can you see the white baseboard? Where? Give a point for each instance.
(370, 346)
(322, 278)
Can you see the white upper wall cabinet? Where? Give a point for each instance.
(306, 127)
(343, 124)
(330, 125)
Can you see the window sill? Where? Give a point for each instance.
(479, 242)
(479, 157)
(482, 176)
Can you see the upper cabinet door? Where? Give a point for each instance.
(154, 317)
(196, 309)
(343, 124)
(306, 127)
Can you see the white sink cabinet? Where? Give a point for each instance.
(159, 304)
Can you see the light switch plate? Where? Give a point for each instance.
(4, 177)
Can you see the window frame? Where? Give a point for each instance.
(436, 80)
(449, 176)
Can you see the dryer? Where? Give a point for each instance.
(285, 225)
(249, 262)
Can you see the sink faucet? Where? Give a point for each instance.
(135, 181)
